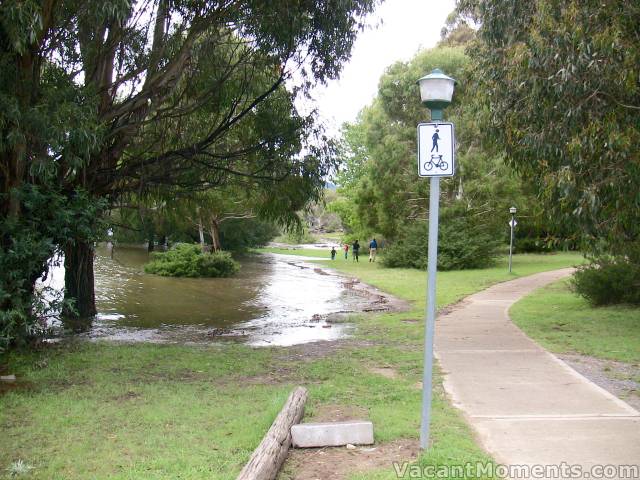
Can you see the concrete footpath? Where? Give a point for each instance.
(527, 406)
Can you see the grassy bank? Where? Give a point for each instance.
(565, 323)
(88, 410)
(103, 410)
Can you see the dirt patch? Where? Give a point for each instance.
(335, 412)
(618, 378)
(339, 462)
(277, 376)
(386, 372)
(130, 395)
(378, 301)
(18, 385)
(308, 352)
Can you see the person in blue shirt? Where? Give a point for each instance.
(373, 250)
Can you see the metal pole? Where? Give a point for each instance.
(432, 266)
(511, 243)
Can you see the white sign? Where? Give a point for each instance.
(512, 223)
(436, 149)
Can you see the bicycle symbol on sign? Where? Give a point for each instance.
(436, 161)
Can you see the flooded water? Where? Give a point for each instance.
(274, 300)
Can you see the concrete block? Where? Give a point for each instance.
(332, 434)
(7, 378)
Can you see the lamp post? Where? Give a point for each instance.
(512, 224)
(436, 91)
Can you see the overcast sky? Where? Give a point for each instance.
(407, 26)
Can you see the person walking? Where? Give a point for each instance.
(435, 139)
(333, 253)
(346, 250)
(373, 250)
(356, 249)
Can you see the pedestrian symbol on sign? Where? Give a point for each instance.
(436, 155)
(435, 139)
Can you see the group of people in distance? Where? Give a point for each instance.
(355, 250)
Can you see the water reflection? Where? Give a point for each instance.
(274, 300)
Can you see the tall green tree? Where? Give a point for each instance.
(558, 90)
(381, 183)
(44, 116)
(162, 93)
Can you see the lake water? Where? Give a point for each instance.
(274, 300)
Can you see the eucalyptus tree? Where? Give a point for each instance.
(558, 90)
(42, 113)
(384, 193)
(154, 93)
(207, 211)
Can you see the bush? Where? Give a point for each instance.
(187, 260)
(609, 281)
(244, 233)
(463, 243)
(48, 220)
(534, 239)
(532, 245)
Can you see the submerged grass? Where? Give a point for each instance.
(145, 411)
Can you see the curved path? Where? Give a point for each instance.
(527, 406)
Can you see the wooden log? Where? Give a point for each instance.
(267, 459)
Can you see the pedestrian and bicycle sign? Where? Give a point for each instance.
(436, 149)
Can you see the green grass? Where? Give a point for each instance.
(135, 411)
(563, 322)
(144, 411)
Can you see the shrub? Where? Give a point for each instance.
(409, 250)
(531, 238)
(531, 245)
(609, 281)
(243, 233)
(48, 219)
(187, 260)
(463, 243)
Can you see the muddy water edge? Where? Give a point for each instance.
(274, 300)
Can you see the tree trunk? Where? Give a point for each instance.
(266, 460)
(79, 284)
(214, 230)
(201, 232)
(16, 177)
